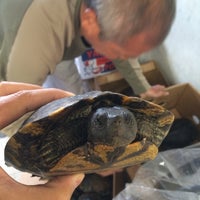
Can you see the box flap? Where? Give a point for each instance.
(170, 101)
(183, 100)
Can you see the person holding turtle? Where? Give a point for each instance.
(15, 102)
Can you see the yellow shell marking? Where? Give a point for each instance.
(57, 111)
(126, 160)
(33, 128)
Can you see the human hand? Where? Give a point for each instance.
(59, 188)
(155, 92)
(16, 99)
(110, 172)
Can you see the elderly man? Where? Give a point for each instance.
(36, 36)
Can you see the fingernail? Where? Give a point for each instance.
(78, 179)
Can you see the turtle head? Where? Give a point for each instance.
(114, 126)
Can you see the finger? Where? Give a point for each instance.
(9, 188)
(65, 185)
(7, 88)
(15, 105)
(158, 86)
(158, 89)
(109, 172)
(165, 93)
(60, 188)
(4, 176)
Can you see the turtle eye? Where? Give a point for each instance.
(129, 119)
(100, 120)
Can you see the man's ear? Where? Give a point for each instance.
(89, 23)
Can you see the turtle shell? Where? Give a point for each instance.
(58, 139)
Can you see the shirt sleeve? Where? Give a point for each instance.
(132, 72)
(39, 43)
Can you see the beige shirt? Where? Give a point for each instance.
(46, 30)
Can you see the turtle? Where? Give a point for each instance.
(88, 133)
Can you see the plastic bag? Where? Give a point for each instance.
(173, 175)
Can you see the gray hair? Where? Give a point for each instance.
(121, 19)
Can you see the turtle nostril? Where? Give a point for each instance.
(117, 121)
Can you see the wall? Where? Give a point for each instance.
(179, 56)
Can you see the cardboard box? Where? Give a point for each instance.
(184, 101)
(115, 82)
(111, 82)
(121, 178)
(153, 74)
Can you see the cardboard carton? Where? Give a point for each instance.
(153, 74)
(119, 181)
(115, 82)
(184, 101)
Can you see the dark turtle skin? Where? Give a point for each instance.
(88, 133)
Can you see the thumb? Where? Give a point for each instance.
(66, 185)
